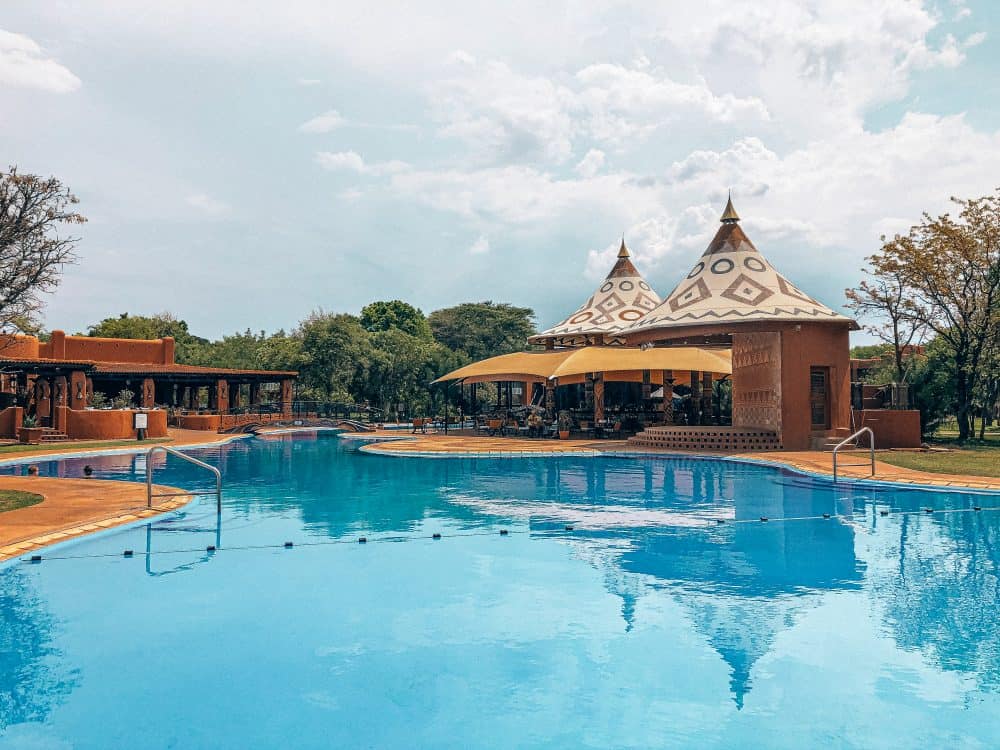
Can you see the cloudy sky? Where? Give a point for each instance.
(243, 163)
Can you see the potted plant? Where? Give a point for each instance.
(565, 423)
(30, 433)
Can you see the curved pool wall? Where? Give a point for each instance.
(616, 612)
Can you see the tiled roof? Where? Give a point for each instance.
(140, 368)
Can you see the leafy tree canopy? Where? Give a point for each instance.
(383, 316)
(483, 329)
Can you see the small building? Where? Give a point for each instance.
(791, 379)
(56, 383)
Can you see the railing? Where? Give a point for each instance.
(854, 437)
(149, 476)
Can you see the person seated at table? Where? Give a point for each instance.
(535, 424)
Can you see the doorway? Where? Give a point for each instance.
(819, 397)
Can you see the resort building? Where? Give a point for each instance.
(791, 376)
(54, 383)
(586, 370)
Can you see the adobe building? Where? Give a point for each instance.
(791, 370)
(55, 382)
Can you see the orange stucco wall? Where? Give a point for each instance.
(87, 348)
(893, 428)
(10, 421)
(110, 424)
(199, 422)
(813, 346)
(19, 347)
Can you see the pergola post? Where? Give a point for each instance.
(706, 398)
(148, 396)
(694, 402)
(254, 393)
(598, 397)
(668, 396)
(286, 396)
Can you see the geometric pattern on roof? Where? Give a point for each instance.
(732, 282)
(622, 299)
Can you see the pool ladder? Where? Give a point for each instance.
(854, 438)
(190, 459)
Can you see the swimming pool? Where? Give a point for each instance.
(616, 612)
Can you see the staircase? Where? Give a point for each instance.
(50, 435)
(827, 440)
(726, 439)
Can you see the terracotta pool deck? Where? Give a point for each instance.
(818, 462)
(74, 507)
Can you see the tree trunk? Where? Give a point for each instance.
(962, 398)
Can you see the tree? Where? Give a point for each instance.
(948, 271)
(885, 299)
(125, 326)
(383, 316)
(335, 355)
(483, 329)
(33, 252)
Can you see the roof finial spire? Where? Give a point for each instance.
(623, 251)
(729, 216)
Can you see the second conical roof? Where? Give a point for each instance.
(622, 299)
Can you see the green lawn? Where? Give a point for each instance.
(94, 444)
(976, 459)
(14, 499)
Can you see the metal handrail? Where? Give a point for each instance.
(190, 459)
(854, 437)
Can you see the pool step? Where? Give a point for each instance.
(728, 439)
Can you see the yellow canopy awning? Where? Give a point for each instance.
(534, 366)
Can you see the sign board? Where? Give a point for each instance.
(141, 421)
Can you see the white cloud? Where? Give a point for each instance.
(306, 82)
(24, 64)
(351, 161)
(208, 205)
(324, 123)
(481, 246)
(501, 113)
(590, 164)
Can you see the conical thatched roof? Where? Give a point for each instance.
(733, 283)
(623, 298)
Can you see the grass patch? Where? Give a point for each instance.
(95, 444)
(977, 460)
(14, 499)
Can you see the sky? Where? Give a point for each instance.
(242, 164)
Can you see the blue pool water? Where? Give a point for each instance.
(647, 625)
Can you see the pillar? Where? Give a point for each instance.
(58, 399)
(706, 398)
(78, 391)
(588, 392)
(235, 396)
(550, 399)
(647, 386)
(694, 402)
(598, 397)
(254, 394)
(147, 396)
(668, 396)
(219, 396)
(286, 396)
